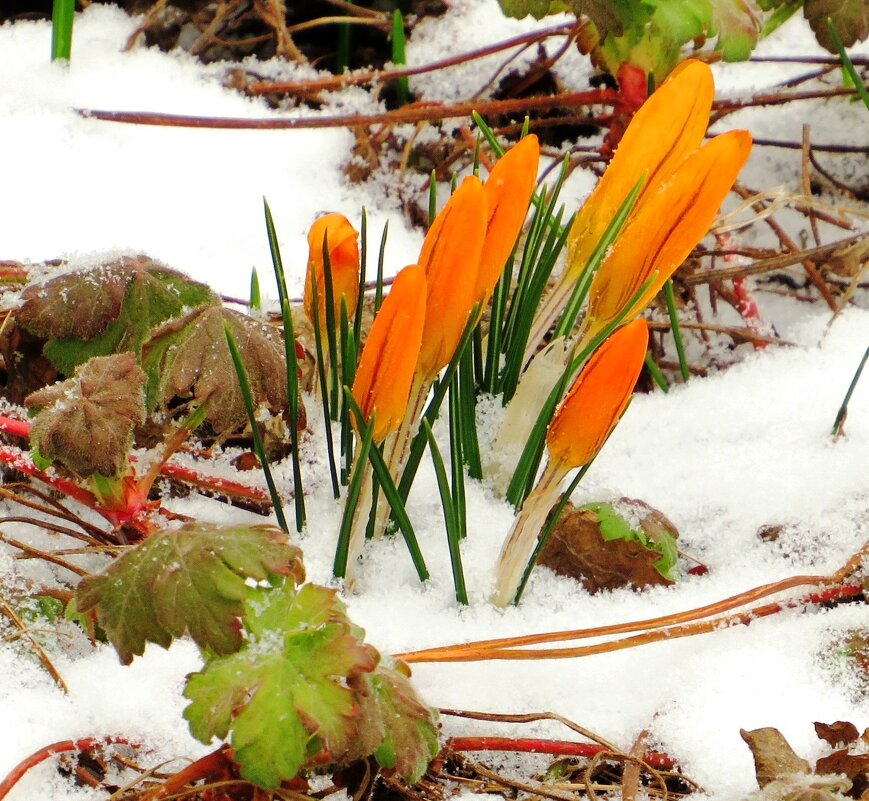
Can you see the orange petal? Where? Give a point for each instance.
(598, 397)
(389, 358)
(508, 193)
(666, 228)
(668, 126)
(343, 244)
(450, 257)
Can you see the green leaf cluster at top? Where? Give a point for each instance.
(287, 677)
(650, 34)
(614, 526)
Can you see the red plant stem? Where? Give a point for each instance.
(18, 460)
(746, 305)
(215, 764)
(223, 486)
(48, 751)
(18, 428)
(536, 745)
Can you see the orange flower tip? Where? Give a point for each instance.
(342, 242)
(598, 397)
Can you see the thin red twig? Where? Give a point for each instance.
(537, 745)
(48, 751)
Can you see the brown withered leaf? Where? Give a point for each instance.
(854, 766)
(86, 422)
(842, 732)
(773, 755)
(106, 309)
(188, 358)
(579, 549)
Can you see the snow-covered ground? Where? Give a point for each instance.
(722, 456)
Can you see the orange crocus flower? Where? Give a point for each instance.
(578, 431)
(450, 258)
(389, 358)
(664, 229)
(343, 246)
(664, 134)
(508, 192)
(598, 397)
(665, 130)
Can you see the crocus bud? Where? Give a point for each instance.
(450, 257)
(508, 192)
(343, 248)
(665, 229)
(598, 397)
(389, 358)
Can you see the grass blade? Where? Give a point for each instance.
(655, 372)
(256, 300)
(259, 448)
(62, 13)
(339, 567)
(324, 394)
(331, 328)
(363, 270)
(847, 64)
(388, 488)
(843, 409)
(293, 402)
(450, 521)
(673, 314)
(398, 56)
(457, 468)
(378, 292)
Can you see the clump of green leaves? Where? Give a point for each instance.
(107, 309)
(288, 679)
(650, 34)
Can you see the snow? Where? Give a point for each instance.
(721, 457)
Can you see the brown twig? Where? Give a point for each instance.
(416, 112)
(16, 621)
(335, 82)
(44, 555)
(774, 263)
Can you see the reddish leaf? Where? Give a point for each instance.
(842, 732)
(86, 422)
(193, 579)
(189, 358)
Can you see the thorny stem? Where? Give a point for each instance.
(48, 751)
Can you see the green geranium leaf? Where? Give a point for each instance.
(107, 309)
(86, 422)
(194, 579)
(189, 357)
(851, 18)
(644, 527)
(738, 24)
(398, 728)
(285, 694)
(535, 8)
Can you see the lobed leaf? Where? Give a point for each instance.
(285, 695)
(189, 357)
(191, 580)
(850, 18)
(86, 422)
(396, 726)
(107, 309)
